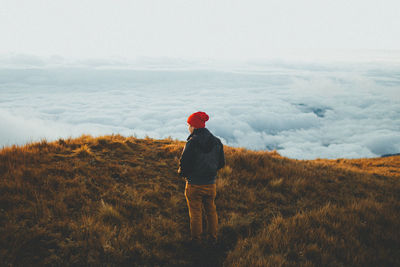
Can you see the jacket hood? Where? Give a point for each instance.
(203, 138)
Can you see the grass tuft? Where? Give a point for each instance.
(83, 151)
(108, 214)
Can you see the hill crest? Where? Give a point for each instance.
(115, 200)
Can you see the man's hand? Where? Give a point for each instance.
(180, 171)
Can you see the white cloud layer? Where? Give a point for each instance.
(304, 110)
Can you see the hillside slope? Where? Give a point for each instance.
(117, 201)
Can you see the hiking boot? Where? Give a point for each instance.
(195, 244)
(212, 242)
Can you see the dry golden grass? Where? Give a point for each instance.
(117, 201)
(388, 166)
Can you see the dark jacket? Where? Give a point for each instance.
(201, 158)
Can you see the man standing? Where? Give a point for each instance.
(201, 158)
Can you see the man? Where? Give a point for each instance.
(201, 158)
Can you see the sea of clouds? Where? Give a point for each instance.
(304, 110)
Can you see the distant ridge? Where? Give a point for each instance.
(390, 155)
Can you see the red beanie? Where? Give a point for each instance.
(198, 119)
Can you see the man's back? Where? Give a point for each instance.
(202, 157)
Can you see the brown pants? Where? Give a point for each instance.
(196, 197)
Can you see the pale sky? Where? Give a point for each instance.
(195, 29)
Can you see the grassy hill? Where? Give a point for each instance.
(117, 201)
